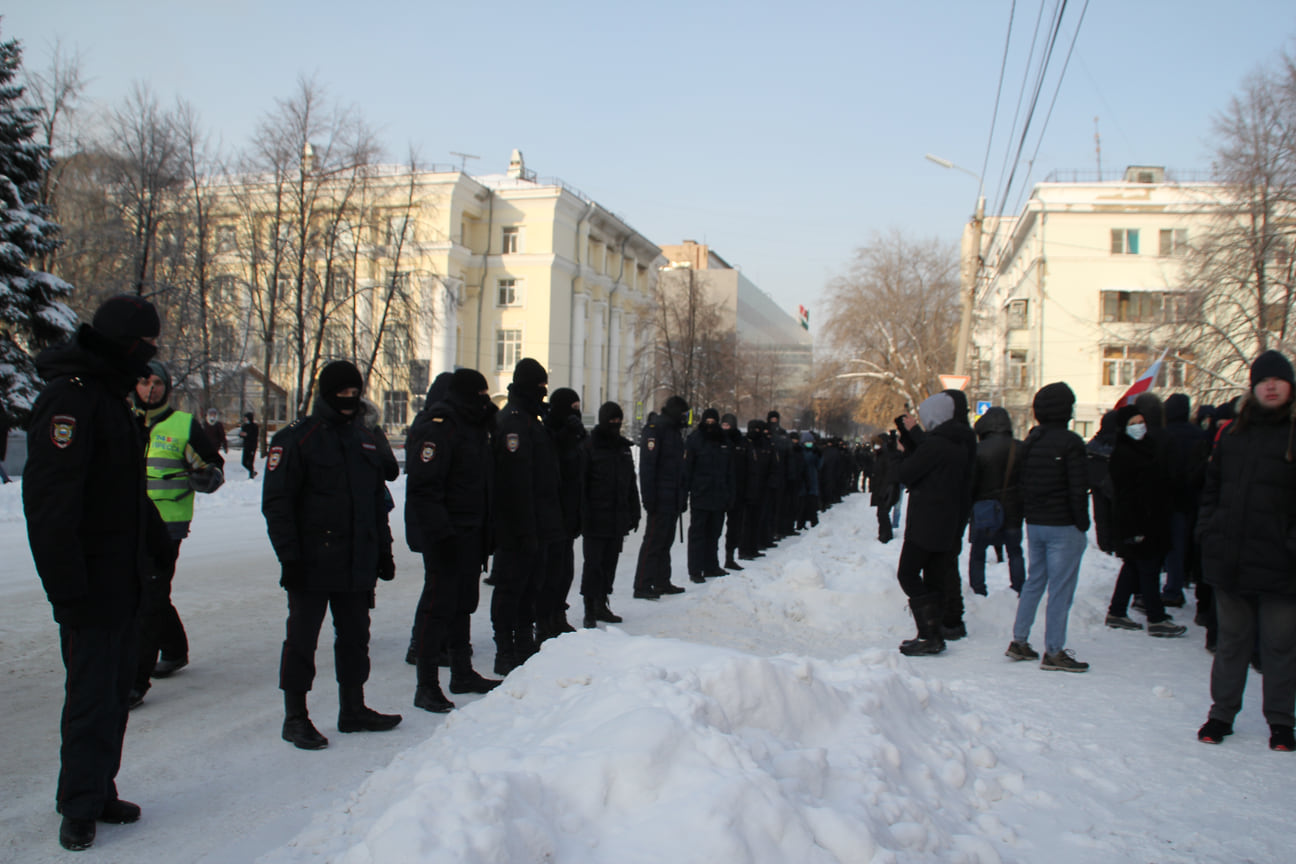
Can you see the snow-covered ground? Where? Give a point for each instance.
(763, 717)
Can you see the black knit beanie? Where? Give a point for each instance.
(608, 412)
(127, 319)
(1271, 364)
(467, 383)
(530, 373)
(710, 414)
(676, 408)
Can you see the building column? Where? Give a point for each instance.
(578, 341)
(445, 326)
(614, 357)
(628, 393)
(598, 315)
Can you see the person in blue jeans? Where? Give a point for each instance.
(995, 476)
(1056, 508)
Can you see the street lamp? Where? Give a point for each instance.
(970, 269)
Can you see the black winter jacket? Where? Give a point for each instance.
(1187, 451)
(609, 494)
(324, 501)
(1247, 520)
(759, 463)
(661, 467)
(739, 457)
(708, 468)
(1141, 500)
(938, 474)
(90, 524)
(992, 477)
(527, 510)
(568, 435)
(1054, 485)
(449, 465)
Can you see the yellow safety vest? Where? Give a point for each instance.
(168, 471)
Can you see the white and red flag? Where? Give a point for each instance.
(1143, 384)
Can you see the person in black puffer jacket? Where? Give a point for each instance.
(739, 456)
(937, 470)
(609, 511)
(708, 476)
(759, 462)
(1247, 530)
(1055, 506)
(661, 486)
(564, 424)
(994, 477)
(1141, 482)
(1097, 459)
(884, 482)
(1187, 451)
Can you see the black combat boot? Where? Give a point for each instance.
(463, 678)
(506, 658)
(76, 834)
(730, 564)
(428, 695)
(355, 716)
(525, 643)
(927, 615)
(297, 727)
(605, 612)
(591, 613)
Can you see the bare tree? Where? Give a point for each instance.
(695, 355)
(894, 322)
(55, 92)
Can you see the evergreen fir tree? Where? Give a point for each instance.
(32, 314)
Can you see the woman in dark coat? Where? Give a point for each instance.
(609, 500)
(1247, 529)
(1141, 516)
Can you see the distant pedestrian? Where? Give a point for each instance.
(249, 434)
(609, 511)
(995, 485)
(662, 491)
(215, 430)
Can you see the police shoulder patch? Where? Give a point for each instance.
(429, 451)
(62, 430)
(511, 442)
(652, 443)
(274, 457)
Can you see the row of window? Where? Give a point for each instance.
(1121, 366)
(1149, 307)
(1173, 242)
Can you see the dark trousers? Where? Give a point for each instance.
(809, 514)
(451, 592)
(560, 571)
(1011, 539)
(601, 555)
(1239, 617)
(1139, 576)
(518, 575)
(160, 625)
(923, 572)
(1180, 554)
(1102, 519)
(654, 569)
(100, 664)
(306, 610)
(249, 458)
(705, 527)
(751, 528)
(733, 531)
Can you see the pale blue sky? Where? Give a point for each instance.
(782, 134)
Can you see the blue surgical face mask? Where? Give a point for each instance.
(1136, 431)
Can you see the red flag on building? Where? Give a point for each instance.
(1143, 384)
(804, 314)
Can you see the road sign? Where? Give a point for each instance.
(982, 407)
(954, 382)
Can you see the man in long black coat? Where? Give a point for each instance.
(92, 532)
(326, 514)
(609, 511)
(739, 455)
(661, 487)
(563, 422)
(527, 513)
(708, 476)
(447, 507)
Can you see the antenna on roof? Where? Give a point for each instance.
(1098, 148)
(463, 160)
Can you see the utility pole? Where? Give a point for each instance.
(969, 275)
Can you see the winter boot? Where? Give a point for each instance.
(428, 695)
(76, 834)
(297, 727)
(463, 678)
(506, 658)
(730, 564)
(605, 613)
(411, 653)
(591, 613)
(927, 615)
(525, 643)
(355, 716)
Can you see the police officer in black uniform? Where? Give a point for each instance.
(326, 514)
(92, 531)
(527, 513)
(563, 422)
(447, 506)
(609, 511)
(708, 477)
(661, 487)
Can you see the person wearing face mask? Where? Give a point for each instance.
(708, 479)
(95, 538)
(739, 456)
(326, 513)
(1248, 548)
(527, 513)
(447, 507)
(759, 462)
(609, 511)
(662, 491)
(1141, 516)
(808, 512)
(215, 430)
(181, 460)
(563, 422)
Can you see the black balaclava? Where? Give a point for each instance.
(609, 419)
(676, 410)
(336, 377)
(530, 383)
(155, 367)
(561, 403)
(118, 330)
(464, 389)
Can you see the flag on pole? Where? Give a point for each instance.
(805, 317)
(1143, 384)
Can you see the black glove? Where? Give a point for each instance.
(292, 575)
(386, 565)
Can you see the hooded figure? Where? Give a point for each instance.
(739, 453)
(1098, 474)
(994, 479)
(664, 496)
(1187, 449)
(609, 511)
(708, 481)
(563, 422)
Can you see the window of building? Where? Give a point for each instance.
(1124, 241)
(1143, 307)
(512, 236)
(1018, 369)
(508, 293)
(1274, 317)
(420, 373)
(396, 346)
(334, 341)
(508, 349)
(395, 408)
(1123, 364)
(1174, 242)
(340, 283)
(397, 230)
(226, 238)
(1017, 314)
